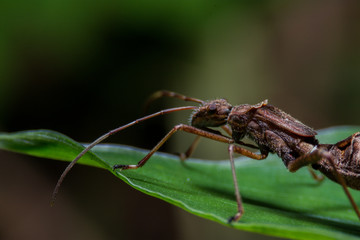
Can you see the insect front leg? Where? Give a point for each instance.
(180, 127)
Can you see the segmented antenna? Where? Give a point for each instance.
(165, 93)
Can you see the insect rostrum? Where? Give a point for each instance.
(272, 131)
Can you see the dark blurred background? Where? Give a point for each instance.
(85, 67)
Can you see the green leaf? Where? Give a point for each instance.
(276, 202)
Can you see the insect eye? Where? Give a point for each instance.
(212, 108)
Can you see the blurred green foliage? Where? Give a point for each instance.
(84, 67)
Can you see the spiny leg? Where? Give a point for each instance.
(181, 127)
(315, 156)
(240, 207)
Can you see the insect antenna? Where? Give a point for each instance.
(164, 93)
(106, 135)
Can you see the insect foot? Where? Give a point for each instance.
(124, 167)
(235, 218)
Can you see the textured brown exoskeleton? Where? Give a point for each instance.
(273, 131)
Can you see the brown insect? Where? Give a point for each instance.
(273, 131)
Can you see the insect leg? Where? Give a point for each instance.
(248, 153)
(227, 129)
(304, 160)
(187, 154)
(181, 127)
(318, 178)
(240, 211)
(314, 157)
